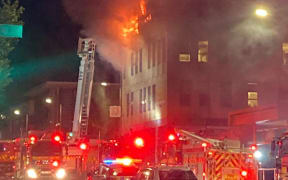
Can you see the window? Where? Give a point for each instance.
(144, 100)
(132, 64)
(136, 62)
(153, 54)
(140, 101)
(184, 57)
(149, 55)
(252, 99)
(140, 60)
(203, 51)
(128, 104)
(226, 94)
(149, 98)
(285, 53)
(159, 53)
(153, 96)
(131, 103)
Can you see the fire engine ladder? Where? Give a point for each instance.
(86, 51)
(214, 142)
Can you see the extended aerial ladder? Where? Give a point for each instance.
(86, 51)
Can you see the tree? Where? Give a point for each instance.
(10, 13)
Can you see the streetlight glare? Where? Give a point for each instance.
(17, 112)
(104, 84)
(48, 100)
(261, 12)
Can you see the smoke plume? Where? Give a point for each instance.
(103, 20)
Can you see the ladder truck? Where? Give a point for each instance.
(86, 51)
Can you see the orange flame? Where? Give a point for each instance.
(132, 27)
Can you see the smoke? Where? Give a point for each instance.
(103, 20)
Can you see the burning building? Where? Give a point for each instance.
(193, 62)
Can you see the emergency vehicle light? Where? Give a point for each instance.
(171, 137)
(244, 173)
(55, 163)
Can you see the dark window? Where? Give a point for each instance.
(159, 53)
(132, 64)
(144, 100)
(140, 60)
(149, 54)
(153, 96)
(131, 103)
(136, 62)
(185, 99)
(128, 104)
(153, 54)
(149, 98)
(140, 101)
(46, 148)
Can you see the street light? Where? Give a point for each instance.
(17, 112)
(261, 12)
(48, 100)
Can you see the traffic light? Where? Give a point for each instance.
(139, 142)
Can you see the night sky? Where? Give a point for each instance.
(47, 51)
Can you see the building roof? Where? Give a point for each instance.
(50, 85)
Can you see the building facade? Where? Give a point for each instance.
(192, 67)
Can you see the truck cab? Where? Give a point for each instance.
(45, 160)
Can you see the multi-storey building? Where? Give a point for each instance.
(196, 61)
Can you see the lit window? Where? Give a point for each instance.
(252, 99)
(203, 51)
(184, 58)
(285, 53)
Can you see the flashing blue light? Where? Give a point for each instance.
(108, 161)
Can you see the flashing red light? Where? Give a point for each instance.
(171, 137)
(32, 139)
(55, 163)
(139, 142)
(57, 138)
(253, 147)
(204, 144)
(244, 173)
(83, 146)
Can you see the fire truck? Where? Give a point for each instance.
(212, 159)
(279, 152)
(43, 157)
(9, 154)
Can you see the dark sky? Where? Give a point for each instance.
(47, 50)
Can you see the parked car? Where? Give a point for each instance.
(165, 173)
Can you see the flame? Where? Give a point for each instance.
(143, 7)
(132, 26)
